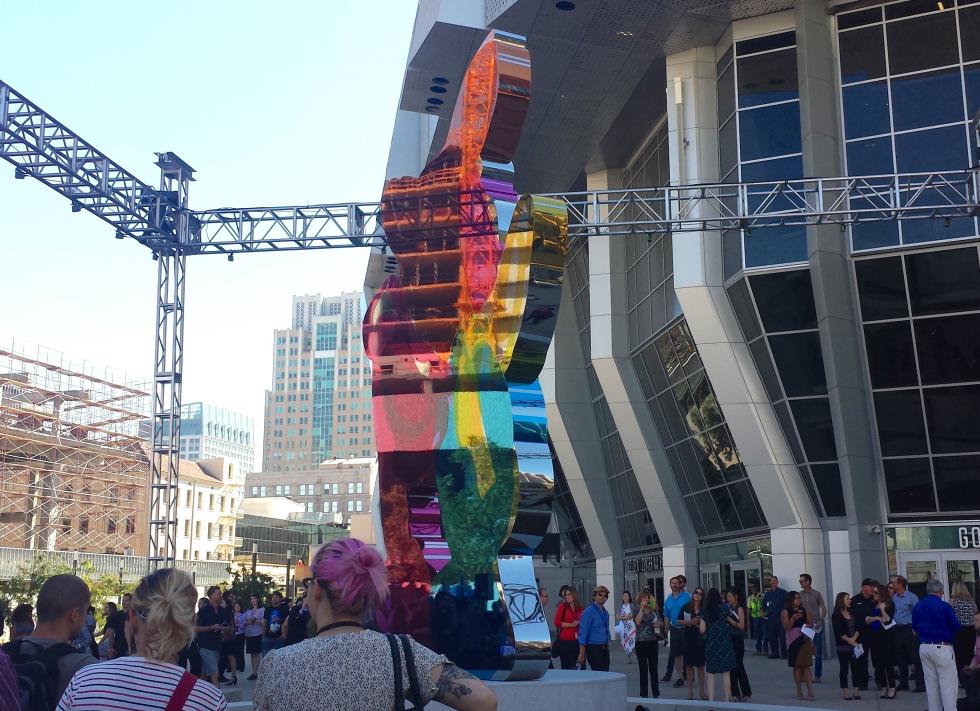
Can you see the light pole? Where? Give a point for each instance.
(194, 573)
(74, 562)
(121, 564)
(289, 563)
(255, 557)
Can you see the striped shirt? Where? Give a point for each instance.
(134, 684)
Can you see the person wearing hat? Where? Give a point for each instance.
(862, 606)
(593, 632)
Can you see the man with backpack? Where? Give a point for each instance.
(45, 661)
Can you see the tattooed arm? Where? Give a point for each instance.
(459, 689)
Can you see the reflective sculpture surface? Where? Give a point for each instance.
(457, 341)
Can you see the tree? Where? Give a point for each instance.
(244, 584)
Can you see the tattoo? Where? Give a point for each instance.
(448, 683)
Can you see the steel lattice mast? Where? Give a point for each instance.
(43, 148)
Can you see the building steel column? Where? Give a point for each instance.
(835, 299)
(797, 539)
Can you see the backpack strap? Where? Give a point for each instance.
(182, 692)
(413, 675)
(397, 662)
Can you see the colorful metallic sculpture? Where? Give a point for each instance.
(457, 342)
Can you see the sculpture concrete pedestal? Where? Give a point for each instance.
(560, 690)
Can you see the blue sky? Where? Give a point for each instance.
(272, 104)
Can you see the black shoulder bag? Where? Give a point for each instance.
(414, 691)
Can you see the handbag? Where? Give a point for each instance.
(414, 691)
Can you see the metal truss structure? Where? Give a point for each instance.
(41, 147)
(73, 473)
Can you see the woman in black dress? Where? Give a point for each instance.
(883, 642)
(799, 647)
(738, 620)
(846, 636)
(693, 645)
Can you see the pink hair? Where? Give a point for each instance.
(353, 573)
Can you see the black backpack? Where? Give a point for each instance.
(37, 672)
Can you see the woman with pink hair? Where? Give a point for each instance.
(346, 667)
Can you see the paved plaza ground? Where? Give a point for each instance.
(771, 680)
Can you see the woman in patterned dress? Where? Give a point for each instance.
(719, 651)
(626, 614)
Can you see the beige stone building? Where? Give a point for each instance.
(339, 487)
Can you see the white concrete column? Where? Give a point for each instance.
(574, 434)
(698, 280)
(621, 385)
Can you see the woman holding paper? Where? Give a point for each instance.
(882, 642)
(798, 626)
(848, 648)
(691, 616)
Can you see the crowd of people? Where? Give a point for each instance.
(927, 645)
(164, 648)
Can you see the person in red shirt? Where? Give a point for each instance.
(566, 622)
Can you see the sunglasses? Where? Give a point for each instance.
(307, 582)
(602, 594)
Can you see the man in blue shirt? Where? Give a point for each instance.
(673, 606)
(906, 644)
(772, 606)
(935, 622)
(593, 632)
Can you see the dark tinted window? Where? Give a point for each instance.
(909, 485)
(952, 415)
(870, 157)
(710, 466)
(970, 33)
(891, 359)
(782, 414)
(767, 78)
(800, 363)
(769, 131)
(785, 300)
(949, 349)
(827, 479)
(695, 514)
(775, 245)
(706, 505)
(866, 109)
(930, 230)
(856, 19)
(760, 354)
(944, 281)
(815, 427)
(935, 149)
(922, 43)
(908, 8)
(678, 469)
(874, 234)
(744, 309)
(881, 288)
(956, 482)
(746, 505)
(767, 42)
(862, 54)
(726, 509)
(926, 99)
(726, 95)
(690, 457)
(901, 430)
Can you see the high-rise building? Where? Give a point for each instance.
(319, 406)
(209, 432)
(736, 398)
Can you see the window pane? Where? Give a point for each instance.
(866, 109)
(922, 43)
(874, 234)
(776, 171)
(727, 146)
(949, 349)
(782, 414)
(856, 19)
(800, 363)
(862, 54)
(775, 245)
(870, 157)
(927, 99)
(881, 287)
(760, 354)
(952, 415)
(677, 469)
(651, 358)
(785, 300)
(901, 429)
(738, 293)
(690, 455)
(932, 229)
(943, 281)
(710, 466)
(970, 33)
(956, 483)
(769, 131)
(692, 510)
(891, 359)
(726, 95)
(732, 245)
(674, 422)
(815, 427)
(746, 505)
(706, 505)
(767, 42)
(725, 454)
(688, 409)
(767, 78)
(827, 479)
(937, 149)
(909, 485)
(704, 397)
(726, 509)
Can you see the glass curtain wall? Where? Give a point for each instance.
(759, 141)
(910, 76)
(575, 545)
(921, 314)
(779, 322)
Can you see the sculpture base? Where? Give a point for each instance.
(559, 689)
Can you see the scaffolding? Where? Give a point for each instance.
(73, 470)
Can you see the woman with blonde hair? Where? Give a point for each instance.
(965, 608)
(649, 631)
(159, 622)
(346, 667)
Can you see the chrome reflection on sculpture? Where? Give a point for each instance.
(457, 341)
